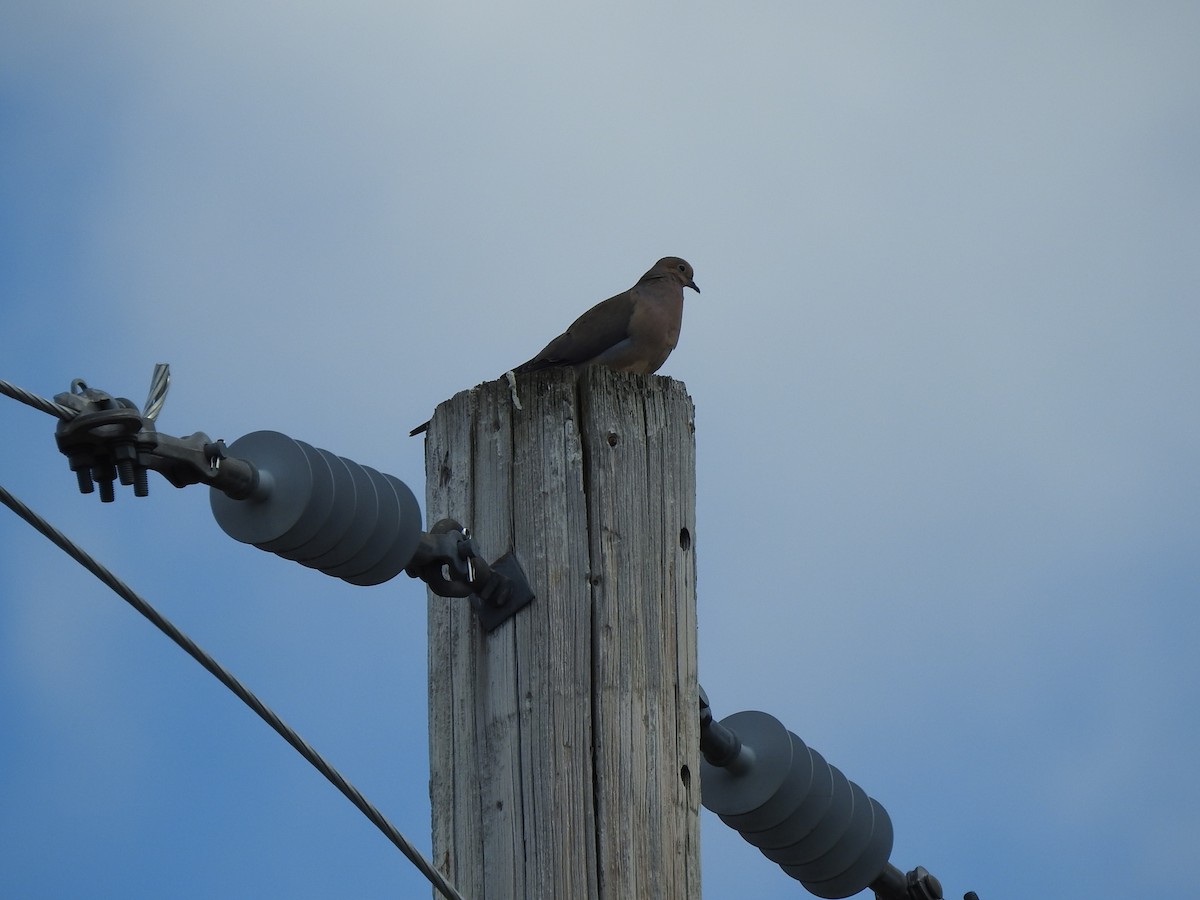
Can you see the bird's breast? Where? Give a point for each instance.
(658, 318)
(654, 331)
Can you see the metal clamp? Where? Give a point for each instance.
(447, 559)
(108, 440)
(101, 441)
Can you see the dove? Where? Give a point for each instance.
(634, 331)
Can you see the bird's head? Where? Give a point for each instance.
(676, 269)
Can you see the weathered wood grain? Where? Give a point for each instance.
(564, 746)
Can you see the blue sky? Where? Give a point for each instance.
(945, 369)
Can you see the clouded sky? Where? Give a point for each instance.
(944, 365)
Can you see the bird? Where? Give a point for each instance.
(633, 331)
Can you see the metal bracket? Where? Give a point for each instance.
(448, 560)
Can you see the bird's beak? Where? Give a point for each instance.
(692, 285)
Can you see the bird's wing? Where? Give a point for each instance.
(599, 329)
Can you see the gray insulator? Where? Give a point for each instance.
(321, 510)
(800, 812)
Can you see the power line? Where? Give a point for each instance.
(226, 678)
(31, 399)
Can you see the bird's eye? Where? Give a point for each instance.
(682, 268)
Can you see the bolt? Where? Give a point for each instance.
(104, 474)
(125, 471)
(84, 474)
(141, 481)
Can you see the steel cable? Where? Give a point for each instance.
(225, 677)
(31, 399)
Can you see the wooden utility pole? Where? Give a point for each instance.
(564, 746)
